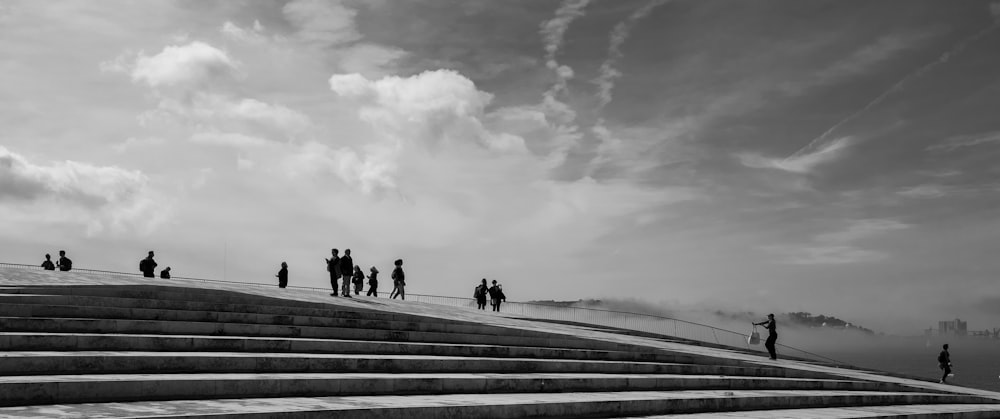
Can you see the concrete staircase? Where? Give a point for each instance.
(124, 348)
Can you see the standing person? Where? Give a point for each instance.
(346, 272)
(944, 362)
(373, 283)
(399, 280)
(359, 280)
(772, 335)
(480, 295)
(333, 267)
(148, 266)
(496, 295)
(64, 263)
(283, 275)
(165, 274)
(47, 264)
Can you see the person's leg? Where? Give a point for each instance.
(333, 283)
(402, 292)
(769, 344)
(947, 370)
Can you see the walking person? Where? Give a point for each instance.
(64, 263)
(772, 335)
(48, 265)
(283, 275)
(373, 283)
(496, 296)
(944, 363)
(359, 280)
(398, 280)
(148, 266)
(346, 272)
(165, 274)
(333, 267)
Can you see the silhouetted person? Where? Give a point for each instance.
(148, 266)
(333, 267)
(480, 295)
(48, 265)
(772, 335)
(165, 274)
(359, 280)
(346, 272)
(398, 281)
(373, 283)
(944, 362)
(64, 263)
(283, 275)
(496, 296)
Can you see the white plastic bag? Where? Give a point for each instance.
(754, 337)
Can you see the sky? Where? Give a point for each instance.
(832, 157)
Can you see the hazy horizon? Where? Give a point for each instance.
(824, 156)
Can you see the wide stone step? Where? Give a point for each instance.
(913, 411)
(180, 293)
(84, 325)
(57, 389)
(500, 406)
(97, 312)
(134, 362)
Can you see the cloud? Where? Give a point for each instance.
(837, 247)
(554, 30)
(96, 197)
(923, 191)
(608, 72)
(960, 141)
(193, 63)
(230, 139)
(253, 35)
(801, 163)
(322, 23)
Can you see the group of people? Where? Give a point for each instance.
(64, 263)
(344, 273)
(495, 293)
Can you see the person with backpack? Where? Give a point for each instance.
(333, 267)
(47, 264)
(283, 275)
(944, 363)
(373, 283)
(480, 295)
(398, 281)
(346, 272)
(64, 263)
(165, 274)
(148, 266)
(772, 335)
(496, 296)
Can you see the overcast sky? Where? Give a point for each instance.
(800, 155)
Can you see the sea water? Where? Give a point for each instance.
(975, 361)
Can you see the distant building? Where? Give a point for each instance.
(952, 327)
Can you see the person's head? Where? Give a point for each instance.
(347, 252)
(334, 252)
(945, 346)
(399, 262)
(770, 316)
(284, 265)
(374, 270)
(150, 253)
(357, 268)
(62, 253)
(484, 281)
(168, 269)
(494, 282)
(48, 256)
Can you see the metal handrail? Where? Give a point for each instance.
(640, 322)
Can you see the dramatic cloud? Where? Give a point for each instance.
(187, 64)
(97, 197)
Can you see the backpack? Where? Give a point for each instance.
(477, 293)
(142, 265)
(68, 264)
(941, 358)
